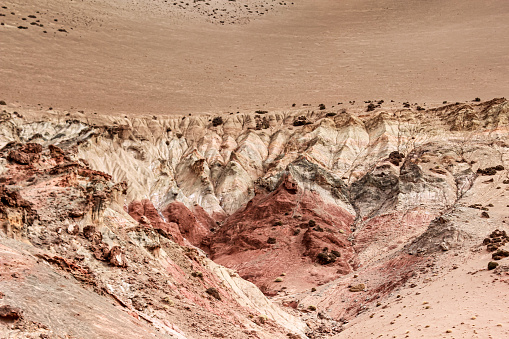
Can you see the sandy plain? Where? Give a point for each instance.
(172, 57)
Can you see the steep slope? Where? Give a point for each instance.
(329, 213)
(285, 232)
(97, 272)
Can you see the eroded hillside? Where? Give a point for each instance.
(327, 212)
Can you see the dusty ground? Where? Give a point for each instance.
(61, 61)
(160, 57)
(410, 224)
(468, 301)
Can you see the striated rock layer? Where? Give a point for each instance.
(75, 264)
(314, 207)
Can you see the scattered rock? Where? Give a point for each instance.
(396, 157)
(213, 292)
(73, 229)
(495, 240)
(357, 288)
(325, 258)
(490, 170)
(9, 313)
(197, 274)
(116, 257)
(217, 121)
(492, 265)
(91, 234)
(500, 254)
(301, 121)
(76, 213)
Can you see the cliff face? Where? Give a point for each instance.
(129, 208)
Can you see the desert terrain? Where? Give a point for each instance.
(166, 57)
(326, 224)
(254, 169)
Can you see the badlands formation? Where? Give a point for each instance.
(306, 223)
(214, 169)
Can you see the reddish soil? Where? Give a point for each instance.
(145, 213)
(192, 228)
(287, 231)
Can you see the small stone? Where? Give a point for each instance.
(492, 265)
(213, 292)
(444, 247)
(357, 288)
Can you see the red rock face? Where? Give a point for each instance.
(59, 209)
(285, 231)
(145, 213)
(192, 227)
(181, 221)
(203, 217)
(26, 155)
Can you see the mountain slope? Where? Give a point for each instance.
(329, 213)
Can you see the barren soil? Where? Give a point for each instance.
(462, 302)
(177, 57)
(345, 160)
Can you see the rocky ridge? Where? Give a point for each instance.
(98, 272)
(292, 201)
